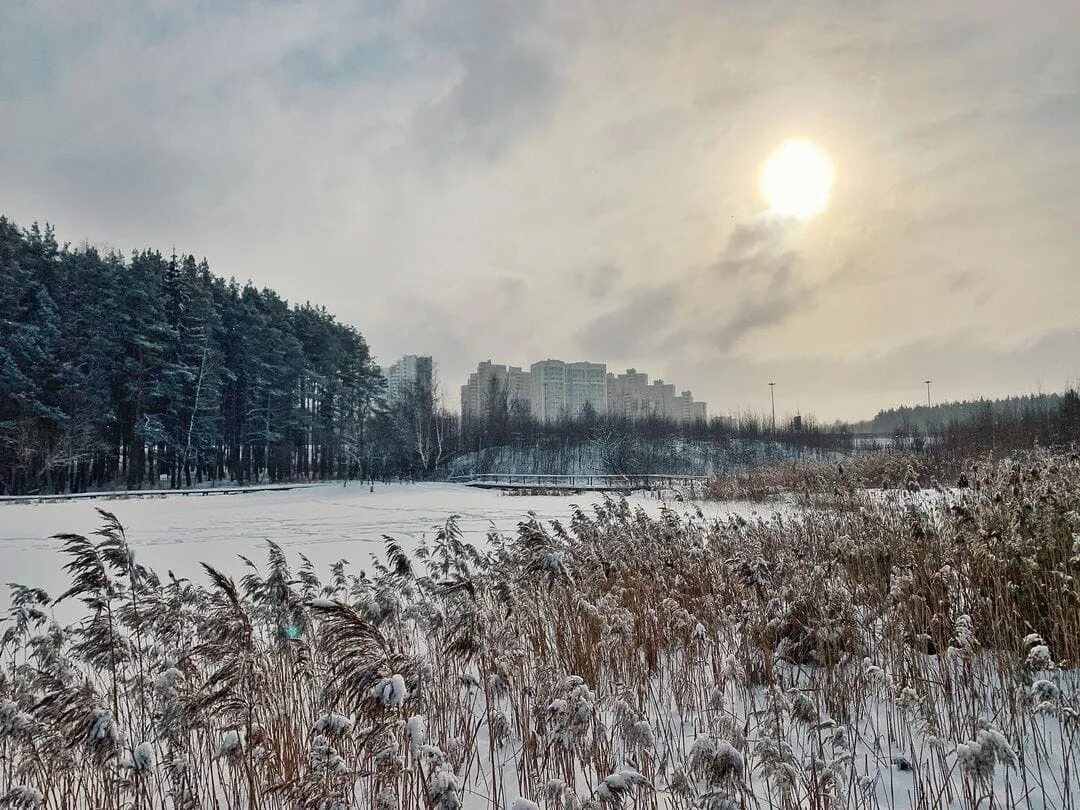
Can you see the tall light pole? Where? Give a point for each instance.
(772, 396)
(927, 392)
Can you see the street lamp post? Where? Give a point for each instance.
(772, 396)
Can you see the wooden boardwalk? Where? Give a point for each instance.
(152, 493)
(579, 483)
(513, 481)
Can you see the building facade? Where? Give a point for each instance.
(410, 372)
(555, 389)
(561, 389)
(662, 400)
(632, 396)
(490, 384)
(687, 409)
(628, 394)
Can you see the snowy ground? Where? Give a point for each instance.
(325, 523)
(878, 748)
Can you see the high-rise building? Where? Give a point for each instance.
(410, 372)
(689, 410)
(628, 394)
(565, 389)
(662, 400)
(632, 396)
(553, 389)
(489, 385)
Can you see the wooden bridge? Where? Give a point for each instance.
(580, 483)
(152, 493)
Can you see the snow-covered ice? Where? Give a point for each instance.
(325, 523)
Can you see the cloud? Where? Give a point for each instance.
(751, 316)
(601, 282)
(640, 320)
(756, 276)
(755, 272)
(962, 366)
(476, 180)
(502, 83)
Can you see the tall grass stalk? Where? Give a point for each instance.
(868, 649)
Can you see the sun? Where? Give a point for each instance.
(797, 179)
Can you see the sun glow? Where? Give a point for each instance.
(797, 179)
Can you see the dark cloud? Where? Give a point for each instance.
(123, 177)
(753, 247)
(433, 327)
(749, 237)
(754, 270)
(641, 132)
(758, 314)
(505, 86)
(964, 281)
(634, 326)
(510, 289)
(759, 273)
(599, 283)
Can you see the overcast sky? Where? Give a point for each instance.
(517, 181)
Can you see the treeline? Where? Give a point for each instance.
(521, 429)
(975, 427)
(150, 371)
(653, 444)
(616, 444)
(907, 419)
(1016, 423)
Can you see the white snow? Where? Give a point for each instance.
(325, 523)
(329, 523)
(390, 691)
(417, 734)
(332, 723)
(231, 742)
(143, 756)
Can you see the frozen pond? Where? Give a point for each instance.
(326, 523)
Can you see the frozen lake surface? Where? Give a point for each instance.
(325, 523)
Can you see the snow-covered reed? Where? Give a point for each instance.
(869, 652)
(810, 478)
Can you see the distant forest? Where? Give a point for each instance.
(986, 423)
(906, 419)
(150, 371)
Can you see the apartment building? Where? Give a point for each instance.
(687, 409)
(489, 384)
(661, 399)
(565, 389)
(628, 394)
(631, 395)
(553, 389)
(407, 373)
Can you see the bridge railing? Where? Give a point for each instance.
(118, 494)
(599, 481)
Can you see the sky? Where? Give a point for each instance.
(518, 181)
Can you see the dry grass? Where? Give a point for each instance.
(869, 651)
(806, 479)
